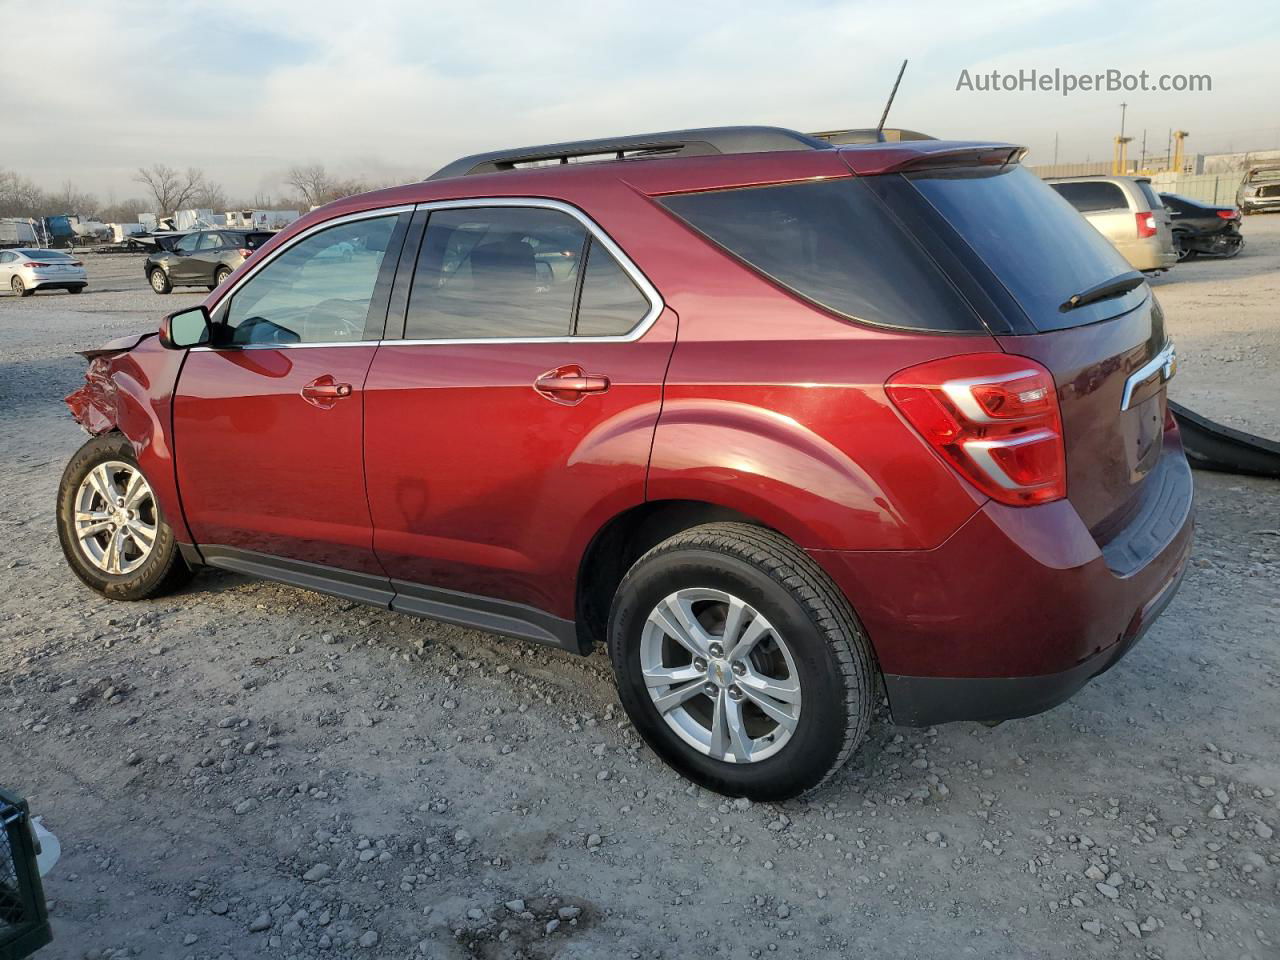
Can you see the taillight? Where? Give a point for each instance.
(994, 418)
(1146, 225)
(244, 252)
(35, 266)
(1227, 214)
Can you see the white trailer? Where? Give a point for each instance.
(261, 219)
(17, 233)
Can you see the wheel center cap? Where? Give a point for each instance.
(718, 673)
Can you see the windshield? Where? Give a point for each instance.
(1037, 245)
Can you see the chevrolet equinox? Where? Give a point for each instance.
(789, 426)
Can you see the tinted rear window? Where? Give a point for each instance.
(1091, 195)
(1153, 198)
(834, 243)
(1038, 247)
(43, 255)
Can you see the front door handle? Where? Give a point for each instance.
(570, 384)
(325, 391)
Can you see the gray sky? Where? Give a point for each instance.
(393, 90)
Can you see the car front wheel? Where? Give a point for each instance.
(110, 526)
(740, 663)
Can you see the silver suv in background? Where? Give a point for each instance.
(1129, 213)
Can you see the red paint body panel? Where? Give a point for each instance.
(477, 483)
(263, 469)
(1016, 592)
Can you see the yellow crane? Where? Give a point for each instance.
(1176, 163)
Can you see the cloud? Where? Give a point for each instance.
(393, 90)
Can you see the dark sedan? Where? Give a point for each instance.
(1203, 227)
(201, 259)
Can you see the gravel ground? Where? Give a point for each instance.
(249, 770)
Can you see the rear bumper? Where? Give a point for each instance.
(1020, 607)
(920, 701)
(59, 283)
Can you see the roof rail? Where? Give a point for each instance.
(870, 135)
(697, 142)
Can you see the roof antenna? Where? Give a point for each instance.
(892, 93)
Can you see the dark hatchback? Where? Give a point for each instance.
(202, 259)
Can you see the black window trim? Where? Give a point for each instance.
(595, 233)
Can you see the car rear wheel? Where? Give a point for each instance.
(110, 526)
(220, 277)
(19, 288)
(740, 663)
(75, 289)
(159, 281)
(1185, 252)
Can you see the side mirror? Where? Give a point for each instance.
(185, 328)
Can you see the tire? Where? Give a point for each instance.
(220, 277)
(75, 289)
(159, 281)
(1184, 252)
(814, 651)
(161, 568)
(19, 288)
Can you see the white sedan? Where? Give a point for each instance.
(26, 270)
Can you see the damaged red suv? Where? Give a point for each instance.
(777, 420)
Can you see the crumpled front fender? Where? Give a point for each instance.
(93, 406)
(129, 388)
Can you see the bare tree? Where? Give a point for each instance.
(312, 182)
(19, 197)
(209, 196)
(171, 189)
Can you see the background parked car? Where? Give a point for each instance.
(1127, 211)
(26, 270)
(1260, 190)
(1203, 227)
(201, 259)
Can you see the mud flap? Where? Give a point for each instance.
(1211, 446)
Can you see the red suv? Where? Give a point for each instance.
(777, 420)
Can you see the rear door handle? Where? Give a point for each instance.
(570, 384)
(325, 391)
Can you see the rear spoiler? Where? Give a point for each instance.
(874, 158)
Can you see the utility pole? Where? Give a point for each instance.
(1168, 150)
(1142, 158)
(1055, 146)
(1123, 109)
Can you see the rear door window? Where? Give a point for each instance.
(835, 244)
(611, 304)
(1089, 196)
(496, 272)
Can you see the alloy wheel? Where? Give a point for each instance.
(115, 518)
(157, 281)
(17, 286)
(720, 675)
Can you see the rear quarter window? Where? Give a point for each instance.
(835, 244)
(1092, 195)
